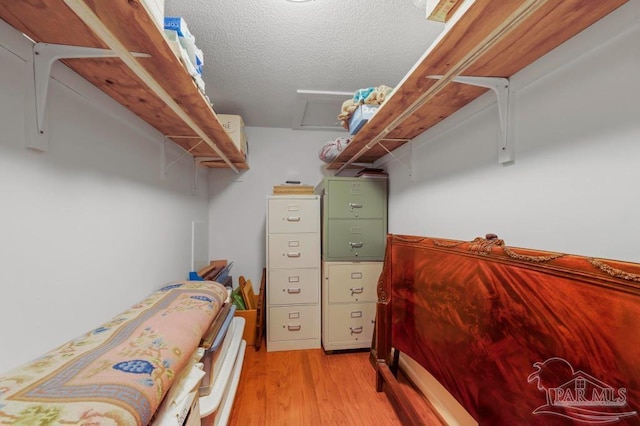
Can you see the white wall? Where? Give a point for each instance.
(90, 227)
(575, 183)
(237, 206)
(574, 186)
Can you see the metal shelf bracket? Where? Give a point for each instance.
(166, 164)
(501, 87)
(40, 63)
(408, 167)
(197, 161)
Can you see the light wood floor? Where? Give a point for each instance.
(309, 387)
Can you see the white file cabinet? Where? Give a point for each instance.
(293, 272)
(349, 295)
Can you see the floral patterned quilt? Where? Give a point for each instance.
(119, 372)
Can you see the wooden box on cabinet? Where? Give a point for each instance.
(293, 272)
(349, 295)
(251, 320)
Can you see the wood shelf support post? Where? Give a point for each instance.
(39, 64)
(501, 87)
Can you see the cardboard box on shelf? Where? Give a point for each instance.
(234, 125)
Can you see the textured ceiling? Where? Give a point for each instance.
(258, 53)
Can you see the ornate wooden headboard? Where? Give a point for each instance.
(517, 336)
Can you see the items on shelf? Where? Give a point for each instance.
(441, 10)
(234, 125)
(156, 11)
(361, 116)
(372, 173)
(368, 96)
(183, 44)
(332, 149)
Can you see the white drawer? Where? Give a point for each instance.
(294, 323)
(351, 322)
(293, 286)
(291, 215)
(356, 282)
(294, 250)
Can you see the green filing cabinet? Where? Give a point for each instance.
(354, 230)
(354, 218)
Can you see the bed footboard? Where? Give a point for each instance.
(517, 336)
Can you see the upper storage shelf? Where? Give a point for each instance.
(490, 39)
(157, 88)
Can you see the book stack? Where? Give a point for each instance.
(291, 187)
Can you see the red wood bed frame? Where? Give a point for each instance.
(517, 336)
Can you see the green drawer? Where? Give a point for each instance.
(355, 239)
(356, 198)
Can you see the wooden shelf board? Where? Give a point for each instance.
(551, 24)
(51, 21)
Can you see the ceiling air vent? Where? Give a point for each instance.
(318, 110)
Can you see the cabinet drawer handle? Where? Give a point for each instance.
(293, 219)
(293, 254)
(356, 330)
(356, 290)
(355, 205)
(293, 290)
(295, 327)
(356, 245)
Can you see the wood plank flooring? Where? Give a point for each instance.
(309, 387)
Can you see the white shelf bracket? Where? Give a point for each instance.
(408, 167)
(501, 87)
(197, 161)
(166, 164)
(42, 59)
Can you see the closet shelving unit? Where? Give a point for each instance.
(157, 88)
(486, 38)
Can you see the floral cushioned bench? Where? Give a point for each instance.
(119, 372)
